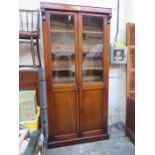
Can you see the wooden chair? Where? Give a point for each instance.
(29, 29)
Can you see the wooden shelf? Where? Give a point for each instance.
(93, 32)
(84, 52)
(93, 68)
(62, 80)
(73, 52)
(72, 31)
(91, 79)
(73, 69)
(62, 51)
(64, 69)
(62, 31)
(62, 47)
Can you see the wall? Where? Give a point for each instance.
(117, 75)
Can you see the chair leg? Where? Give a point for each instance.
(38, 51)
(33, 52)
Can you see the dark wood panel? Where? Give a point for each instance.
(53, 144)
(130, 108)
(28, 76)
(130, 120)
(65, 113)
(130, 35)
(95, 85)
(92, 110)
(74, 8)
(64, 87)
(29, 80)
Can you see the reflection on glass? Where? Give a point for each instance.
(63, 48)
(62, 41)
(93, 23)
(92, 49)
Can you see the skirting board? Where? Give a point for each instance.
(61, 143)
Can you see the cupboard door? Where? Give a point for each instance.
(65, 115)
(63, 48)
(64, 75)
(92, 109)
(92, 49)
(92, 104)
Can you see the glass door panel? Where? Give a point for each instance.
(92, 35)
(63, 48)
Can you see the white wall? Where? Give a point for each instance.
(117, 75)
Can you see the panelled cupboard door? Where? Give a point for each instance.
(92, 97)
(62, 30)
(65, 115)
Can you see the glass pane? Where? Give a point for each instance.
(25, 55)
(92, 49)
(63, 48)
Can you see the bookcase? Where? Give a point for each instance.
(76, 55)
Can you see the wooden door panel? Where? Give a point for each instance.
(92, 110)
(65, 113)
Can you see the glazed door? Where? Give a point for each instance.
(93, 108)
(64, 90)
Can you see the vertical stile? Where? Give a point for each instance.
(33, 52)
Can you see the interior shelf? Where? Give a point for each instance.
(93, 32)
(62, 31)
(91, 78)
(91, 51)
(73, 69)
(92, 68)
(72, 31)
(55, 51)
(64, 69)
(59, 52)
(60, 80)
(62, 47)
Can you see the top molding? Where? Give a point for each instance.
(74, 8)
